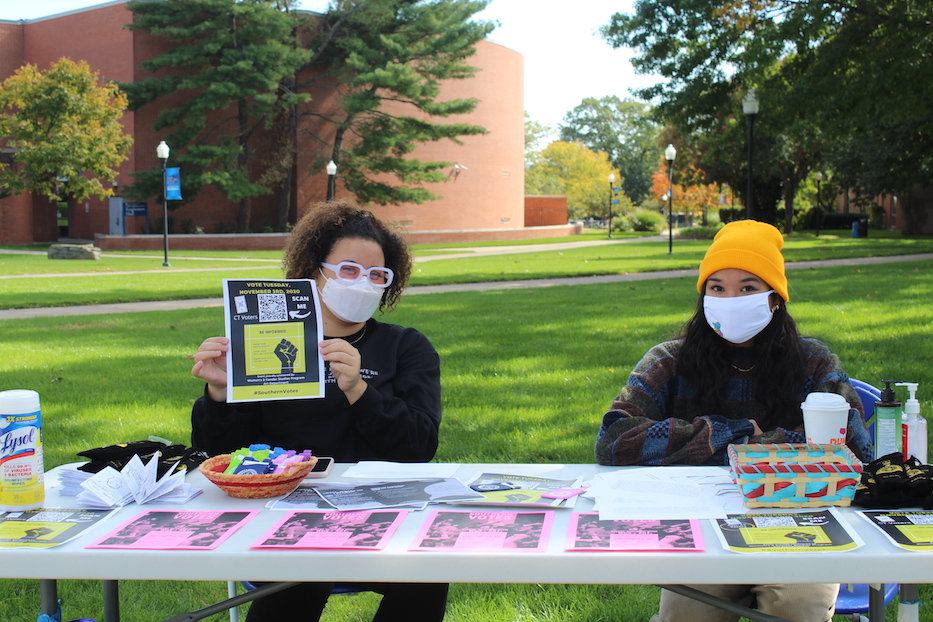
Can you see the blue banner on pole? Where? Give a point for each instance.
(172, 184)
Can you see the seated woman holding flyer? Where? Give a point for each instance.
(738, 374)
(382, 399)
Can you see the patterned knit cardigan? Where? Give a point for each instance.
(655, 420)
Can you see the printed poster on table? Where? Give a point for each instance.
(333, 530)
(485, 531)
(525, 490)
(797, 532)
(198, 530)
(46, 527)
(588, 533)
(274, 328)
(908, 529)
(375, 495)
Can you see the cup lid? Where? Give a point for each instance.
(825, 401)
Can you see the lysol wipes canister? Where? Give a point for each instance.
(22, 479)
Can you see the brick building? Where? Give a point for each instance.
(482, 198)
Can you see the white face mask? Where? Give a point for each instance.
(739, 318)
(351, 303)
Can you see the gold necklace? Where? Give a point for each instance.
(744, 371)
(362, 333)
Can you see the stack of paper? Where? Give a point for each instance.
(111, 488)
(71, 479)
(671, 492)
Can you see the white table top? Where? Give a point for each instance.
(878, 561)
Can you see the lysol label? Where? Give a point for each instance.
(22, 481)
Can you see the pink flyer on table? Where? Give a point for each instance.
(357, 529)
(196, 530)
(588, 533)
(484, 531)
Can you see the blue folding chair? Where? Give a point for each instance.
(869, 395)
(854, 599)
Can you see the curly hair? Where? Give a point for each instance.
(326, 223)
(704, 359)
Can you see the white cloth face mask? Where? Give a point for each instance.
(351, 303)
(739, 318)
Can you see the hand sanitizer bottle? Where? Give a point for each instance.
(914, 426)
(887, 422)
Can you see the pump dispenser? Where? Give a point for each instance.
(914, 437)
(887, 422)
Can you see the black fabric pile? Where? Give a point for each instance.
(173, 457)
(891, 482)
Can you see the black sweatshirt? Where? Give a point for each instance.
(397, 418)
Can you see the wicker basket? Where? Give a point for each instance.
(255, 486)
(795, 475)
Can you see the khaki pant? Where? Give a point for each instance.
(804, 602)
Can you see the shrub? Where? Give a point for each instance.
(700, 233)
(188, 226)
(644, 220)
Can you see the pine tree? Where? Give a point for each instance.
(397, 51)
(232, 60)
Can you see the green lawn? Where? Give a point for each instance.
(527, 374)
(134, 277)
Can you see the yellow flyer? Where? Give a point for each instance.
(44, 528)
(794, 532)
(274, 328)
(908, 529)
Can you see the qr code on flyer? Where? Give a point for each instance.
(272, 308)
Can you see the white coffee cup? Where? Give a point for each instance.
(825, 417)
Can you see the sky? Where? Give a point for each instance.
(565, 58)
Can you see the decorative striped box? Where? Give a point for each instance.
(794, 475)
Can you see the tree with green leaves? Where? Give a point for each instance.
(579, 173)
(62, 131)
(232, 60)
(389, 58)
(622, 128)
(536, 133)
(842, 83)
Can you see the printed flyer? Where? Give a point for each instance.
(588, 533)
(374, 495)
(484, 531)
(797, 532)
(333, 530)
(274, 328)
(908, 529)
(198, 530)
(44, 528)
(525, 490)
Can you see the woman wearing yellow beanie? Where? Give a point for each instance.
(737, 374)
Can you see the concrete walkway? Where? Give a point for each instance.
(167, 305)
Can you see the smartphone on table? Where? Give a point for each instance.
(322, 468)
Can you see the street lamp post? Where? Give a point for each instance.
(331, 180)
(750, 108)
(670, 153)
(162, 151)
(819, 180)
(612, 179)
